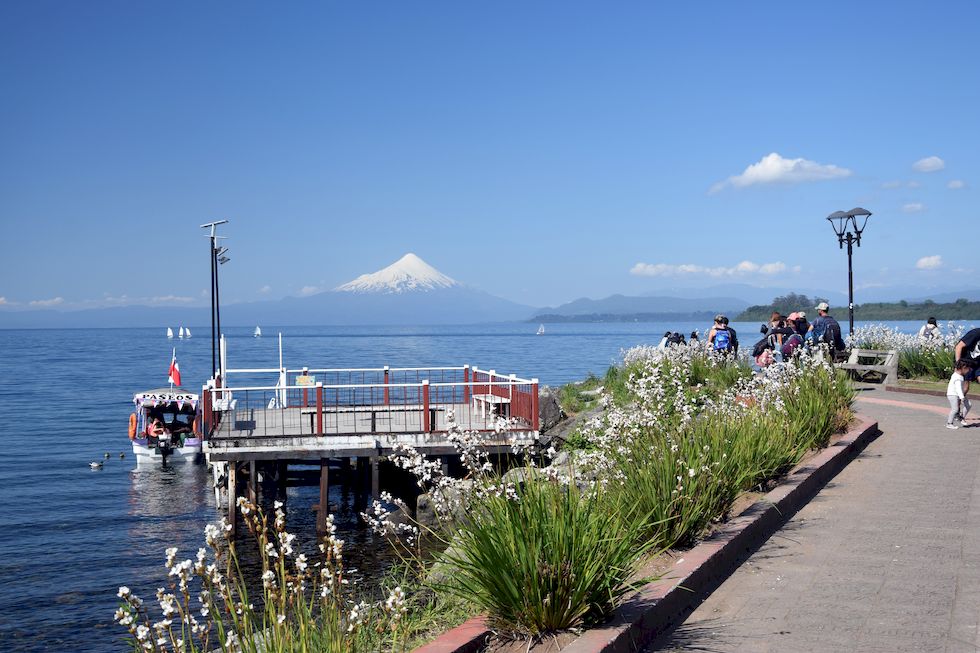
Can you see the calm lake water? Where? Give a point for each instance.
(71, 536)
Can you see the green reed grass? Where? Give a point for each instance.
(551, 559)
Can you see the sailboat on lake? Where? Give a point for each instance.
(170, 333)
(540, 330)
(258, 333)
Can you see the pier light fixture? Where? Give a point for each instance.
(217, 256)
(848, 227)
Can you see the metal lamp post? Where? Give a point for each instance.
(217, 256)
(846, 226)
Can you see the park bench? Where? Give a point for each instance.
(873, 364)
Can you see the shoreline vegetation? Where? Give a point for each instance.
(679, 435)
(961, 309)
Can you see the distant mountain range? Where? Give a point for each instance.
(412, 292)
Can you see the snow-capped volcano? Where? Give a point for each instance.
(407, 274)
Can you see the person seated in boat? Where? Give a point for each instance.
(155, 426)
(179, 426)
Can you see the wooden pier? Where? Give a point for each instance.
(313, 416)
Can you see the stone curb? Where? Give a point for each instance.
(659, 605)
(915, 391)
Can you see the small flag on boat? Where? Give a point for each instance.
(174, 375)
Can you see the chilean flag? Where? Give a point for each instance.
(174, 374)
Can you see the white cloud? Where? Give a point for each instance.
(265, 290)
(774, 169)
(797, 269)
(892, 184)
(741, 269)
(929, 164)
(913, 207)
(913, 184)
(306, 291)
(170, 299)
(929, 262)
(956, 184)
(44, 303)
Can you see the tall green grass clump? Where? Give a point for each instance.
(545, 557)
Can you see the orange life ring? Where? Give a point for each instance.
(132, 426)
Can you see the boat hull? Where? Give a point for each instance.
(189, 453)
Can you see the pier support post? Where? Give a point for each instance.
(386, 385)
(282, 473)
(253, 494)
(233, 496)
(324, 508)
(535, 415)
(375, 479)
(426, 424)
(319, 407)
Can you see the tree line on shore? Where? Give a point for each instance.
(961, 309)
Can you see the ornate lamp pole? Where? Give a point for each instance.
(217, 258)
(845, 225)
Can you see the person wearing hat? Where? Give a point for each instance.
(800, 324)
(825, 328)
(929, 330)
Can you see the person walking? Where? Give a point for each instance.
(959, 405)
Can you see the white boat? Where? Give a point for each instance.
(187, 332)
(258, 333)
(540, 330)
(165, 426)
(170, 333)
(180, 333)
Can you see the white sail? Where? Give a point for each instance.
(258, 332)
(170, 333)
(180, 333)
(541, 330)
(187, 332)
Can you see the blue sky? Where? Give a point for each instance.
(540, 151)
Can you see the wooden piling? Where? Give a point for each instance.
(375, 479)
(324, 508)
(233, 496)
(253, 494)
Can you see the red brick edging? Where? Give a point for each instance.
(659, 605)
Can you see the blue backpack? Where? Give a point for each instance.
(723, 340)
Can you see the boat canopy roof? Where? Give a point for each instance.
(165, 396)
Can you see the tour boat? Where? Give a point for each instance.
(170, 333)
(258, 333)
(165, 426)
(540, 330)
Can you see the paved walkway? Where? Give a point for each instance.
(885, 558)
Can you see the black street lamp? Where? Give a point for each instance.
(217, 257)
(845, 225)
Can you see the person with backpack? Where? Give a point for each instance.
(825, 329)
(720, 336)
(930, 331)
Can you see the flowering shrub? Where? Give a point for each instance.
(699, 429)
(918, 357)
(304, 605)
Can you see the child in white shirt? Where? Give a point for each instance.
(959, 405)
